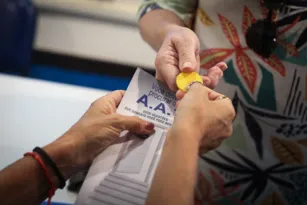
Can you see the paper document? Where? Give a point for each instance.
(122, 174)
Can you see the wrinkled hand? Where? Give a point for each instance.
(97, 129)
(180, 53)
(201, 115)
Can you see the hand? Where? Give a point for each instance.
(180, 53)
(97, 129)
(203, 117)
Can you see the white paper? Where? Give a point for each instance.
(122, 174)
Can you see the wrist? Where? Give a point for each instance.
(185, 133)
(63, 155)
(169, 28)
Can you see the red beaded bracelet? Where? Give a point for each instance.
(43, 166)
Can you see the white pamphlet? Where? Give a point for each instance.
(122, 174)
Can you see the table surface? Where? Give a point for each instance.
(35, 112)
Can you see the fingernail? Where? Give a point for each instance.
(187, 65)
(226, 66)
(222, 65)
(149, 126)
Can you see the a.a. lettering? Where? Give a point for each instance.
(160, 107)
(144, 100)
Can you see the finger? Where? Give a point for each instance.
(180, 94)
(222, 65)
(215, 74)
(114, 98)
(165, 56)
(199, 91)
(206, 81)
(187, 49)
(213, 95)
(229, 131)
(159, 76)
(167, 66)
(216, 70)
(135, 125)
(170, 73)
(228, 108)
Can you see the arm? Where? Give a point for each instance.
(201, 123)
(175, 177)
(164, 20)
(162, 25)
(24, 182)
(157, 22)
(30, 185)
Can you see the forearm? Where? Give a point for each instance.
(175, 177)
(25, 181)
(155, 25)
(15, 187)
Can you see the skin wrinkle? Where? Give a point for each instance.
(171, 60)
(172, 52)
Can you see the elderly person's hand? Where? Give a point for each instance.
(180, 53)
(204, 115)
(97, 129)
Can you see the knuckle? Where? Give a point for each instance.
(99, 101)
(191, 37)
(183, 40)
(114, 119)
(186, 36)
(137, 124)
(109, 121)
(162, 59)
(228, 131)
(178, 38)
(217, 71)
(158, 61)
(95, 103)
(214, 68)
(229, 110)
(232, 112)
(215, 74)
(187, 39)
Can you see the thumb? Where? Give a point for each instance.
(187, 54)
(135, 125)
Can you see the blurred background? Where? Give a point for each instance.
(92, 43)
